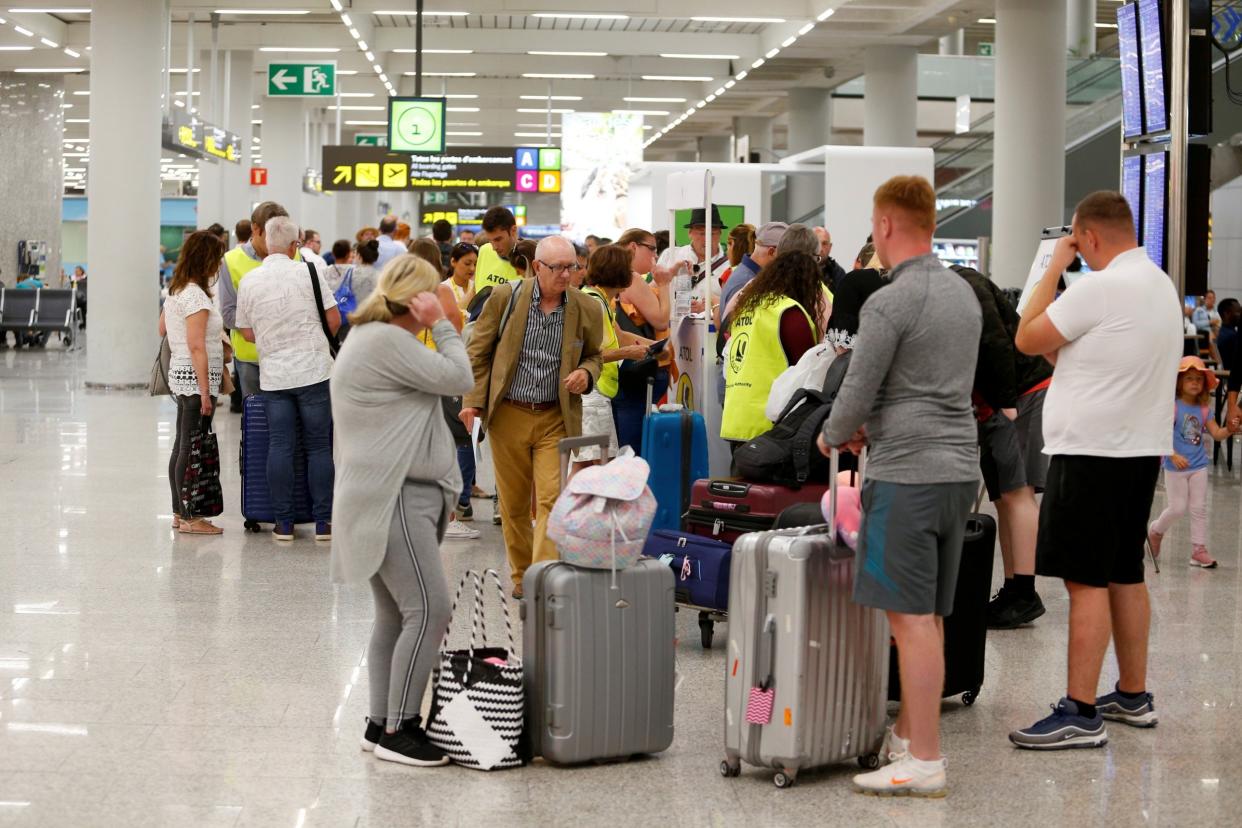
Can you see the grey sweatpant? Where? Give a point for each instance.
(412, 605)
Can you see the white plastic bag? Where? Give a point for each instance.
(808, 373)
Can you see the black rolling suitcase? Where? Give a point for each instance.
(966, 630)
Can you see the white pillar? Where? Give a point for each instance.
(759, 131)
(810, 125)
(224, 187)
(891, 96)
(1029, 147)
(124, 189)
(714, 148)
(1080, 28)
(284, 153)
(953, 43)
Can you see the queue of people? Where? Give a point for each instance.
(945, 381)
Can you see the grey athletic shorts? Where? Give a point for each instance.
(910, 545)
(1012, 453)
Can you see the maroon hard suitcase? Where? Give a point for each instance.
(725, 508)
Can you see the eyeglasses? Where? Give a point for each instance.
(650, 247)
(573, 267)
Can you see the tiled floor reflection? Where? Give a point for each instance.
(151, 679)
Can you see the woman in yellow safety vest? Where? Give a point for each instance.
(773, 325)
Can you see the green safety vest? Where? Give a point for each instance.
(240, 263)
(753, 360)
(609, 381)
(491, 270)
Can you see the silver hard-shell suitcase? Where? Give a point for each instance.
(795, 630)
(599, 662)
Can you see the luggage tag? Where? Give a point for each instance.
(759, 705)
(667, 559)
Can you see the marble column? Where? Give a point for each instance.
(891, 96)
(284, 153)
(759, 131)
(224, 188)
(31, 176)
(810, 125)
(1080, 28)
(123, 217)
(953, 43)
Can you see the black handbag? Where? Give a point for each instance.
(788, 454)
(201, 495)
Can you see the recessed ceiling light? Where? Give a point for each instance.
(23, 31)
(463, 134)
(825, 14)
(71, 53)
(427, 74)
(986, 20)
(315, 49)
(577, 16)
(541, 111)
(357, 108)
(568, 54)
(460, 95)
(50, 11)
(558, 75)
(366, 123)
(773, 52)
(654, 100)
(258, 12)
(758, 62)
(703, 78)
(407, 13)
(83, 92)
(716, 19)
(355, 94)
(49, 43)
(535, 135)
(805, 29)
(344, 71)
(435, 51)
(50, 70)
(688, 56)
(16, 48)
(550, 97)
(642, 111)
(461, 109)
(1106, 25)
(77, 120)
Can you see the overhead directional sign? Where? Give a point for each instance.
(416, 124)
(302, 80)
(520, 169)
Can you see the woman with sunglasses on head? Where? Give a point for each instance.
(194, 329)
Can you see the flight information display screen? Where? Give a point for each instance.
(1132, 189)
(1155, 108)
(1155, 178)
(1131, 78)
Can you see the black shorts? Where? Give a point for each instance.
(1012, 453)
(1093, 521)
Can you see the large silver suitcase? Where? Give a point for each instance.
(598, 662)
(794, 627)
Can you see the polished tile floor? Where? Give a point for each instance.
(154, 679)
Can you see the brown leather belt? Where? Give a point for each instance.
(539, 406)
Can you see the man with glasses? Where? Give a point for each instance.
(535, 351)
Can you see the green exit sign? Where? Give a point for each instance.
(302, 80)
(986, 49)
(370, 139)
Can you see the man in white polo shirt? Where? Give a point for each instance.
(1115, 338)
(277, 310)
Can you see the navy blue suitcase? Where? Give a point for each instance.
(256, 500)
(674, 440)
(700, 574)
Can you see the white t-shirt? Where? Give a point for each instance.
(182, 379)
(698, 291)
(277, 301)
(1112, 393)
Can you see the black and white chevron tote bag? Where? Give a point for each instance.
(478, 704)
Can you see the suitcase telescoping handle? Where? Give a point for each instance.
(570, 443)
(834, 468)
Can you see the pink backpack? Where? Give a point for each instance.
(603, 516)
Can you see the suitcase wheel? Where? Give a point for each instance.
(729, 771)
(784, 779)
(707, 627)
(968, 698)
(869, 761)
(252, 526)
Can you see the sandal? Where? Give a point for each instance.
(176, 524)
(200, 526)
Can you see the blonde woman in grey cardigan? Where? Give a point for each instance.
(397, 479)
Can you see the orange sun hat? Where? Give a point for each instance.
(1197, 364)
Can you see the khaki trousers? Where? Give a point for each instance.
(526, 454)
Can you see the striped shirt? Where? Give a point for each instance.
(538, 373)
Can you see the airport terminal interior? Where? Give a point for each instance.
(195, 666)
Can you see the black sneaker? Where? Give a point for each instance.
(410, 747)
(465, 513)
(1016, 611)
(374, 732)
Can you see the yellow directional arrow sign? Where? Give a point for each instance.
(343, 174)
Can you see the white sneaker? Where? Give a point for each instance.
(894, 748)
(905, 777)
(459, 531)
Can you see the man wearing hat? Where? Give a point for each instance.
(697, 255)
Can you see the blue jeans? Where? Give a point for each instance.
(465, 460)
(312, 406)
(629, 411)
(247, 376)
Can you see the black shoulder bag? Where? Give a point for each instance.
(333, 345)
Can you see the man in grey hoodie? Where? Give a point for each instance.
(907, 395)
